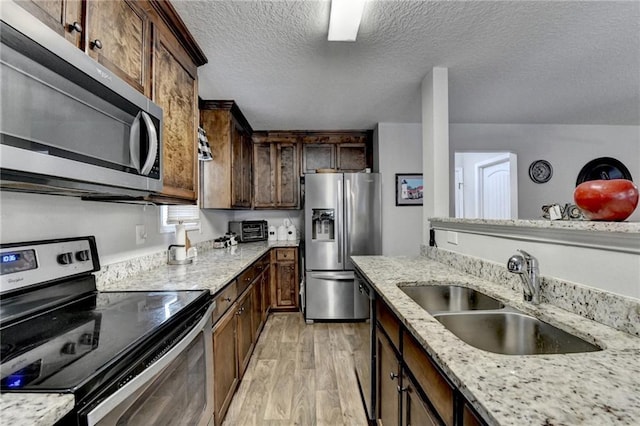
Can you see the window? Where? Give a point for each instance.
(189, 212)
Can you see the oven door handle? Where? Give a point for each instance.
(144, 379)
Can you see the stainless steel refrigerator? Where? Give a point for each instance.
(342, 218)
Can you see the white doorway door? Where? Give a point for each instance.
(459, 192)
(496, 190)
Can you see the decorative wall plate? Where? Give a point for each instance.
(540, 171)
(603, 168)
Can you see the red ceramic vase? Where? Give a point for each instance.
(612, 200)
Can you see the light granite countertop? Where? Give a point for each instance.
(211, 270)
(596, 388)
(34, 409)
(578, 225)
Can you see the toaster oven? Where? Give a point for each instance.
(249, 230)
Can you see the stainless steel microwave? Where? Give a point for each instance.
(67, 124)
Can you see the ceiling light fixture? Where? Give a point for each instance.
(345, 19)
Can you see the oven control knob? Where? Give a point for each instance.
(65, 258)
(86, 339)
(82, 255)
(69, 348)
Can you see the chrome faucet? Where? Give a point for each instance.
(527, 267)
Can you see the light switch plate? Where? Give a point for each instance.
(141, 234)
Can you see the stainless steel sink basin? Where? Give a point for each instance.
(512, 333)
(448, 298)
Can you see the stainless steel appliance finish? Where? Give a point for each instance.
(364, 354)
(141, 357)
(249, 230)
(335, 295)
(342, 218)
(175, 389)
(67, 125)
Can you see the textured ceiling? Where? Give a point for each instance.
(509, 62)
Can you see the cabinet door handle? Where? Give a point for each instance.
(227, 299)
(75, 27)
(96, 44)
(404, 389)
(393, 376)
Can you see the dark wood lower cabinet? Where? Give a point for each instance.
(411, 388)
(284, 279)
(225, 366)
(415, 411)
(244, 338)
(266, 293)
(388, 373)
(241, 309)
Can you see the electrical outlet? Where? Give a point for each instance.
(141, 234)
(452, 237)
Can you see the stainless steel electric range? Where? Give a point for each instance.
(128, 357)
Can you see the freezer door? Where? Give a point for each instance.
(363, 215)
(324, 223)
(334, 296)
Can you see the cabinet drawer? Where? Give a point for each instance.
(285, 254)
(224, 299)
(262, 264)
(434, 385)
(389, 323)
(246, 278)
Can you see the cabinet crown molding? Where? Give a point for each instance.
(169, 15)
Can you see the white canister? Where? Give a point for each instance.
(273, 233)
(292, 233)
(282, 233)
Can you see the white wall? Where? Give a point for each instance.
(399, 148)
(27, 217)
(567, 147)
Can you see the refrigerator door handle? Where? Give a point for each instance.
(348, 198)
(339, 224)
(332, 276)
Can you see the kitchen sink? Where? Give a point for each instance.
(512, 333)
(450, 298)
(486, 323)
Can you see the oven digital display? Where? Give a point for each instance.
(24, 376)
(17, 261)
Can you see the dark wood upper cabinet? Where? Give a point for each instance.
(62, 16)
(118, 36)
(175, 87)
(276, 173)
(226, 180)
(344, 151)
(318, 156)
(145, 43)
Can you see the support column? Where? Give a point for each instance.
(435, 146)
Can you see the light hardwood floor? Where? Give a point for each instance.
(300, 374)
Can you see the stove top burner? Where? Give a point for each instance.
(62, 349)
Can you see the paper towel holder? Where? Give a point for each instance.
(171, 255)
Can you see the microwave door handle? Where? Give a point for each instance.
(152, 141)
(134, 142)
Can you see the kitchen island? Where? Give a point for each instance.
(593, 388)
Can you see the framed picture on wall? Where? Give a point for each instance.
(409, 189)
